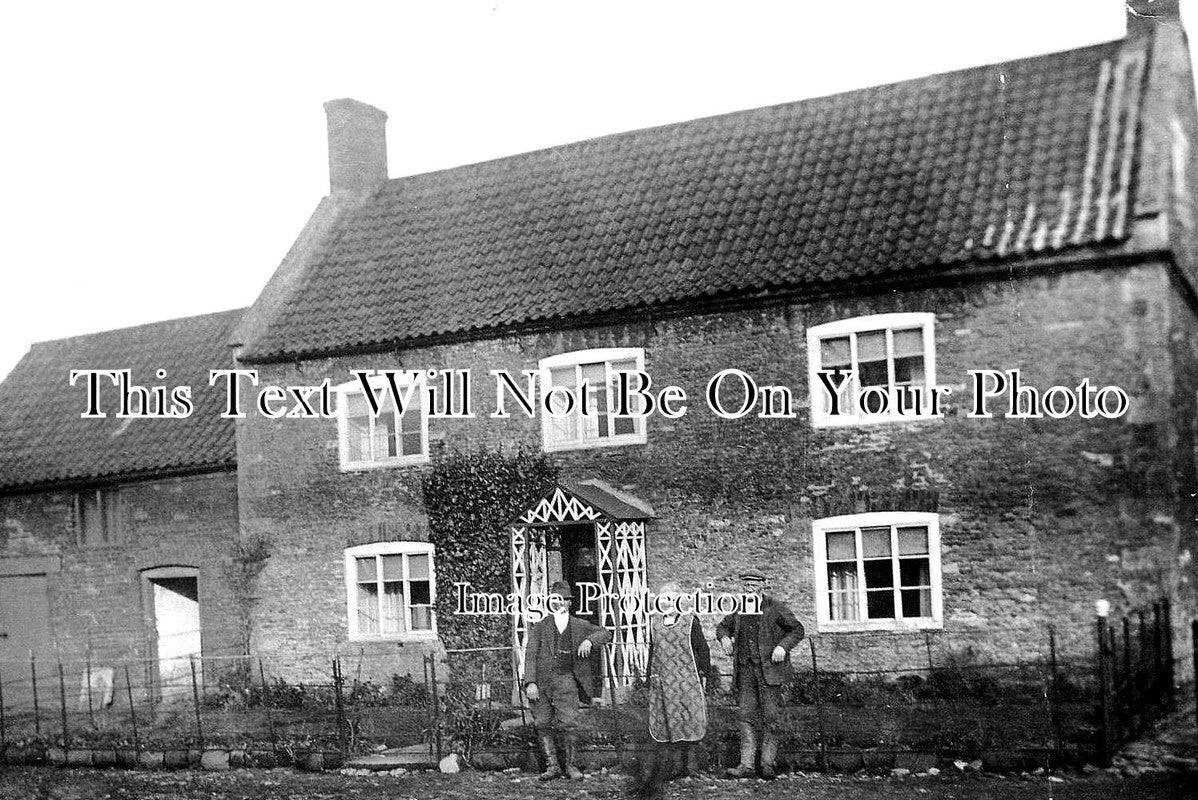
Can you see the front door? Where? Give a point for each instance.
(24, 629)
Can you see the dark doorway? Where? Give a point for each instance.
(576, 544)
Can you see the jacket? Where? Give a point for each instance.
(779, 628)
(538, 652)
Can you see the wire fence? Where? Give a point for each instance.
(1050, 710)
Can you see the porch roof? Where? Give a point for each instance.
(585, 500)
(608, 500)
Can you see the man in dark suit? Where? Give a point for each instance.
(760, 646)
(555, 672)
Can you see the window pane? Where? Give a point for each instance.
(914, 572)
(842, 577)
(91, 521)
(880, 605)
(873, 373)
(368, 608)
(562, 428)
(111, 500)
(411, 427)
(875, 542)
(393, 607)
(842, 606)
(392, 568)
(878, 574)
(418, 567)
(366, 568)
(842, 546)
(624, 426)
(842, 594)
(595, 374)
(356, 406)
(563, 376)
(596, 424)
(420, 592)
(909, 370)
(908, 342)
(357, 435)
(917, 602)
(912, 541)
(422, 618)
(384, 435)
(871, 346)
(834, 352)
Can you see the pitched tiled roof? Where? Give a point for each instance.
(43, 439)
(1035, 155)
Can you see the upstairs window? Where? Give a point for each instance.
(889, 356)
(98, 517)
(388, 439)
(601, 426)
(878, 571)
(390, 589)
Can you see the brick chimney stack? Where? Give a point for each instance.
(357, 146)
(1143, 16)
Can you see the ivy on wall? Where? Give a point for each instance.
(471, 498)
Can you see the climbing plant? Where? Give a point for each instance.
(471, 497)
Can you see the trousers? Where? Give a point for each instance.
(760, 704)
(556, 710)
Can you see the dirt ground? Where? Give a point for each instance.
(48, 783)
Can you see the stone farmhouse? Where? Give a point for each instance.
(1035, 215)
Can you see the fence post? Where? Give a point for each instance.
(91, 709)
(819, 708)
(1102, 608)
(266, 701)
(62, 699)
(1194, 662)
(1158, 662)
(436, 703)
(1054, 698)
(1170, 676)
(1124, 686)
(3, 731)
(618, 734)
(132, 710)
(37, 708)
(195, 696)
(1119, 722)
(337, 705)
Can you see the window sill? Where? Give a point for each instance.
(861, 420)
(594, 444)
(400, 638)
(881, 626)
(366, 466)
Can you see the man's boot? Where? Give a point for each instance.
(552, 768)
(748, 752)
(572, 771)
(769, 755)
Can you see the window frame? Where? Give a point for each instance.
(852, 327)
(110, 507)
(377, 550)
(875, 519)
(577, 359)
(377, 382)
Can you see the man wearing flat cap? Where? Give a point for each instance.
(760, 646)
(555, 672)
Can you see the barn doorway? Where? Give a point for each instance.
(173, 607)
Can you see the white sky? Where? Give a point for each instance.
(158, 159)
